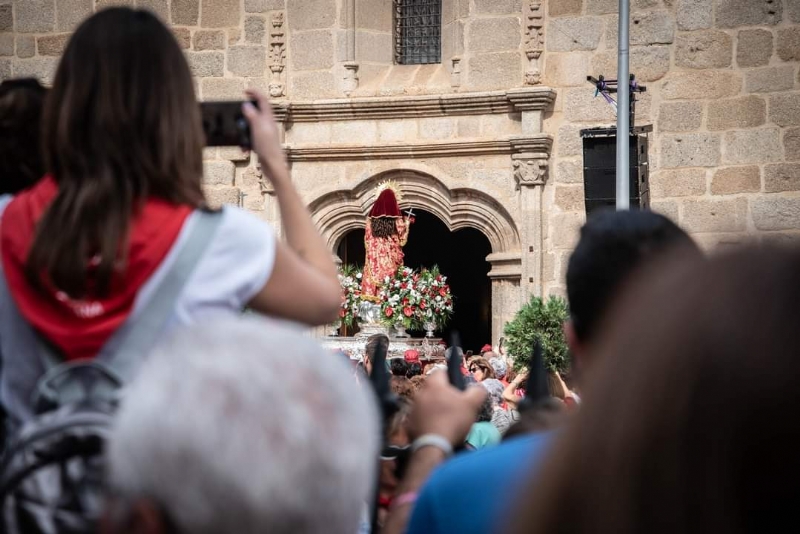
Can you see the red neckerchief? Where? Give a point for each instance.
(79, 328)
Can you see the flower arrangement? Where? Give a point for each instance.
(350, 280)
(411, 299)
(416, 300)
(436, 303)
(399, 298)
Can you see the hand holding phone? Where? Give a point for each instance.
(224, 124)
(265, 136)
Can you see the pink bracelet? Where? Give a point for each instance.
(410, 497)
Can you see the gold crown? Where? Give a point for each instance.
(391, 184)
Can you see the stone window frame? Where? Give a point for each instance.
(401, 44)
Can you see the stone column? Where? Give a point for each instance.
(505, 276)
(505, 304)
(530, 173)
(529, 161)
(531, 109)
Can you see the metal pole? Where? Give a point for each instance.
(623, 108)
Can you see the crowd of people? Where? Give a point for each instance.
(116, 274)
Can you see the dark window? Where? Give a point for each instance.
(418, 31)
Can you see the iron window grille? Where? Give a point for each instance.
(418, 32)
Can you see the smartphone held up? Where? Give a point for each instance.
(224, 124)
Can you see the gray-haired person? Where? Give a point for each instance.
(499, 366)
(501, 419)
(242, 427)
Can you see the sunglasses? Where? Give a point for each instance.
(475, 368)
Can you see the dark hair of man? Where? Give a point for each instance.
(612, 246)
(414, 369)
(383, 226)
(398, 366)
(121, 125)
(21, 105)
(687, 423)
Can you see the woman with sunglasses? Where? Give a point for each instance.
(480, 369)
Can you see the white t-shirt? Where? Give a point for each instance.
(232, 270)
(236, 264)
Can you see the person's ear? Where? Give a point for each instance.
(143, 517)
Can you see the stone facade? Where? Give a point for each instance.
(489, 138)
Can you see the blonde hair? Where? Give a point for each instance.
(555, 385)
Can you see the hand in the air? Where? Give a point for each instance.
(441, 409)
(265, 136)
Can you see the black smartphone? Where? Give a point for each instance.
(224, 124)
(454, 362)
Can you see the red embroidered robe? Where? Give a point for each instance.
(384, 257)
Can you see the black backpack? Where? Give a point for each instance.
(52, 472)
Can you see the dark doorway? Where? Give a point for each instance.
(461, 256)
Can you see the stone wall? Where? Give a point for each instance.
(231, 44)
(722, 94)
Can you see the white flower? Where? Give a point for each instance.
(359, 275)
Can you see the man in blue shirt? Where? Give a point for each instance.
(472, 493)
(453, 500)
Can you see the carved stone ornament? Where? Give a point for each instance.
(455, 75)
(350, 82)
(277, 55)
(530, 171)
(534, 40)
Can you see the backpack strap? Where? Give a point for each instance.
(52, 380)
(133, 341)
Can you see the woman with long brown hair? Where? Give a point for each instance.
(85, 249)
(690, 420)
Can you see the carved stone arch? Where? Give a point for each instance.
(339, 212)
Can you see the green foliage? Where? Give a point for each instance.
(542, 320)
